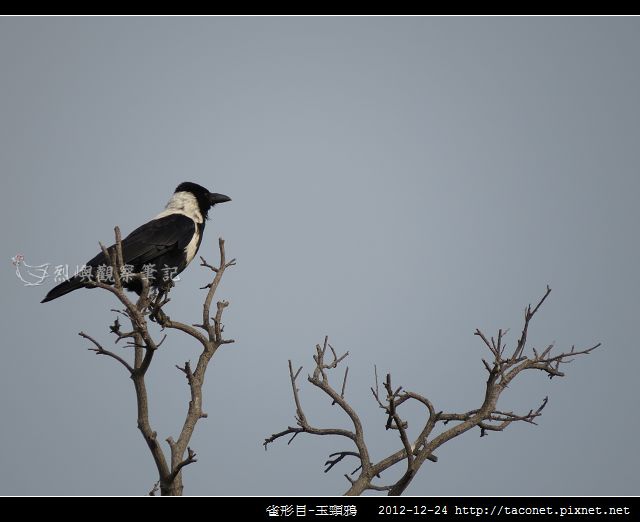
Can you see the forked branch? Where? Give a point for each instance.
(150, 306)
(437, 427)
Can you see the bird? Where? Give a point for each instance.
(169, 241)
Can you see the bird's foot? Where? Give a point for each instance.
(158, 316)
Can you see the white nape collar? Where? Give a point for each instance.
(183, 203)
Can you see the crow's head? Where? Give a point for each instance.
(205, 199)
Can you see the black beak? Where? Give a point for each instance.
(218, 198)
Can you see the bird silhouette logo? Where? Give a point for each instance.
(30, 275)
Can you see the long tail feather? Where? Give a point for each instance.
(63, 288)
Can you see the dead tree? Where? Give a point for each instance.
(502, 368)
(209, 333)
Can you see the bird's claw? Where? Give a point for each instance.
(158, 316)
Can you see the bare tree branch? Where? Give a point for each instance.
(301, 419)
(502, 371)
(148, 306)
(338, 457)
(155, 489)
(101, 351)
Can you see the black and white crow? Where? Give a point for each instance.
(166, 243)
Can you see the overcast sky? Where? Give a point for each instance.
(396, 183)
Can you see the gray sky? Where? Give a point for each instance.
(396, 183)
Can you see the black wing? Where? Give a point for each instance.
(165, 238)
(153, 239)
